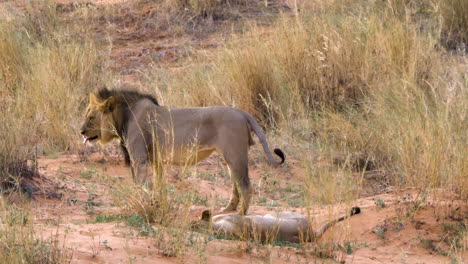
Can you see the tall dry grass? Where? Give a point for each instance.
(47, 66)
(164, 213)
(321, 61)
(454, 14)
(370, 81)
(205, 8)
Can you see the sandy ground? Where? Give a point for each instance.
(73, 180)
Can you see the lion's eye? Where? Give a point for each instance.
(91, 118)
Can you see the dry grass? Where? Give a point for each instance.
(153, 205)
(319, 61)
(45, 73)
(361, 86)
(454, 15)
(21, 242)
(205, 8)
(43, 63)
(161, 213)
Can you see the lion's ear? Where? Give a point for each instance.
(93, 99)
(109, 105)
(206, 215)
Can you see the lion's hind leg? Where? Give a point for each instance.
(234, 201)
(233, 144)
(241, 187)
(240, 180)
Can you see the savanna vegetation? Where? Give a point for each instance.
(347, 88)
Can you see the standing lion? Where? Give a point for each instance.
(180, 136)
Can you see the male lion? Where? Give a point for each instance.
(180, 136)
(283, 226)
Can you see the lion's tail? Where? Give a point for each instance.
(354, 211)
(259, 132)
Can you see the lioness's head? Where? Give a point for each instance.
(99, 124)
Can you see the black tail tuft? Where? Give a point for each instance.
(355, 210)
(280, 154)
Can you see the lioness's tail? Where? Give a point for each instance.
(354, 211)
(259, 132)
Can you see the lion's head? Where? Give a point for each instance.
(99, 124)
(107, 113)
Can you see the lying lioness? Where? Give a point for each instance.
(283, 226)
(181, 136)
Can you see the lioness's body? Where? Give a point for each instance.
(283, 226)
(181, 136)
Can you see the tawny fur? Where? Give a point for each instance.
(282, 226)
(180, 136)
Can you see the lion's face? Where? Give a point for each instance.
(99, 124)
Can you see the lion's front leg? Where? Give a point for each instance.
(141, 171)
